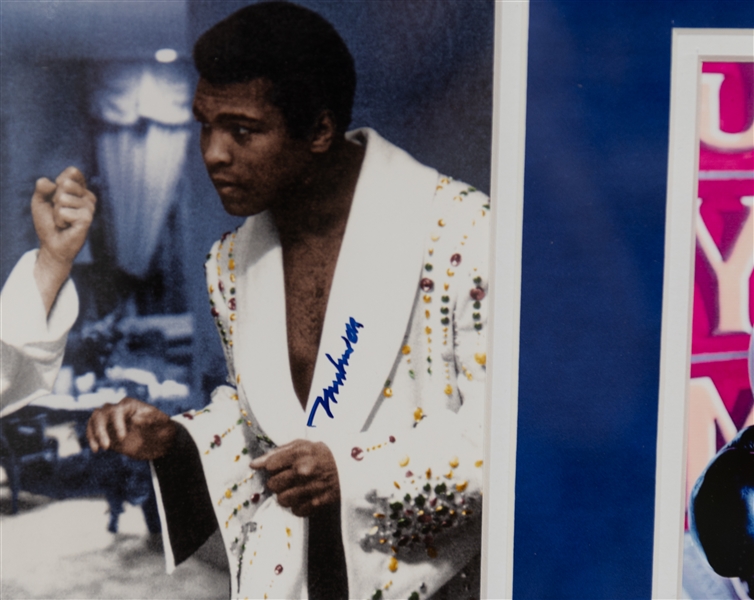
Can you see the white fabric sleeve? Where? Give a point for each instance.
(31, 343)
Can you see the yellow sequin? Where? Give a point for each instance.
(450, 272)
(428, 474)
(461, 486)
(479, 463)
(393, 564)
(481, 358)
(211, 289)
(454, 462)
(426, 313)
(232, 316)
(397, 485)
(404, 461)
(418, 414)
(427, 298)
(434, 238)
(228, 493)
(448, 390)
(388, 392)
(428, 330)
(441, 222)
(449, 474)
(233, 277)
(231, 264)
(406, 349)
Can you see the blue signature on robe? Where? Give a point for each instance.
(329, 393)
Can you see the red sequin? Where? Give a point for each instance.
(188, 416)
(455, 260)
(255, 498)
(392, 439)
(357, 453)
(221, 286)
(278, 569)
(232, 304)
(427, 285)
(218, 440)
(477, 293)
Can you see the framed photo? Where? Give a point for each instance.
(708, 299)
(108, 87)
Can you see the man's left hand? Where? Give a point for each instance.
(303, 474)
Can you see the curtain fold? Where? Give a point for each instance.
(141, 153)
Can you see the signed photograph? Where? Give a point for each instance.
(248, 278)
(714, 397)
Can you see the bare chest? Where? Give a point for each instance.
(308, 277)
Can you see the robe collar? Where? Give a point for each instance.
(375, 285)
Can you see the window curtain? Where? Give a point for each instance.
(144, 111)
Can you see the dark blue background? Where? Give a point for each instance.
(594, 218)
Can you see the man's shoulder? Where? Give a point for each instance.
(456, 198)
(454, 189)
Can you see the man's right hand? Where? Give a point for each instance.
(62, 211)
(131, 427)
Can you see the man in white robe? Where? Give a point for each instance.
(344, 457)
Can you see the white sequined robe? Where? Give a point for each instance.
(406, 431)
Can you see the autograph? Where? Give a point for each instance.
(329, 393)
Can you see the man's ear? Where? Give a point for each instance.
(323, 133)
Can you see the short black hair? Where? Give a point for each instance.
(296, 49)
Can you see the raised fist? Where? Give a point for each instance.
(62, 213)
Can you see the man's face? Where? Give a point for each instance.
(249, 154)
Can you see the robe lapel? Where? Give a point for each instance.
(261, 343)
(375, 283)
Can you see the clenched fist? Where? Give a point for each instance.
(303, 475)
(62, 211)
(131, 427)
